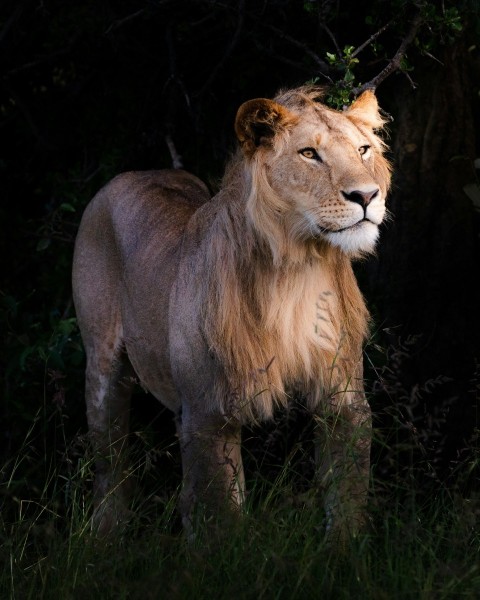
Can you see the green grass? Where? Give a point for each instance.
(423, 541)
(278, 550)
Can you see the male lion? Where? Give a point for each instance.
(223, 307)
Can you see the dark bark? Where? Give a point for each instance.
(426, 276)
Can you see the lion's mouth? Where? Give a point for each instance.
(349, 228)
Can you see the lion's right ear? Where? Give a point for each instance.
(365, 109)
(258, 121)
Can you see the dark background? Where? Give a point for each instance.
(89, 89)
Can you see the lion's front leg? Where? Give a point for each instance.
(343, 463)
(213, 478)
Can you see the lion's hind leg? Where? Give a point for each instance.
(96, 278)
(109, 383)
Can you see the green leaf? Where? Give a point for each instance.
(309, 6)
(67, 207)
(66, 326)
(332, 58)
(43, 244)
(405, 65)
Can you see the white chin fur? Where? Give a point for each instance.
(358, 240)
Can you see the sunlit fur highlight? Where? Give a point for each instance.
(223, 307)
(282, 309)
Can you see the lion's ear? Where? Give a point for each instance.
(365, 110)
(258, 121)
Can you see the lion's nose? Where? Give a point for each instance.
(361, 197)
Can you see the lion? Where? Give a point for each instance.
(225, 307)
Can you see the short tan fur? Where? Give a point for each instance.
(224, 307)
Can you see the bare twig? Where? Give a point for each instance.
(174, 78)
(177, 161)
(120, 22)
(410, 80)
(228, 50)
(333, 38)
(45, 58)
(322, 65)
(287, 61)
(433, 58)
(395, 63)
(174, 81)
(371, 39)
(9, 23)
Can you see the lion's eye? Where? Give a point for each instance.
(310, 153)
(364, 149)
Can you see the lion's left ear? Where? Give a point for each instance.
(258, 121)
(365, 110)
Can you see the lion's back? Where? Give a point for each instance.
(145, 200)
(142, 211)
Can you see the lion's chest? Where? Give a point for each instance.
(303, 326)
(292, 344)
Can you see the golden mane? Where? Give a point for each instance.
(263, 282)
(257, 314)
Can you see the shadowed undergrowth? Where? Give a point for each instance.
(418, 545)
(279, 553)
(423, 541)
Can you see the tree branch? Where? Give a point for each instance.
(395, 63)
(323, 66)
(371, 39)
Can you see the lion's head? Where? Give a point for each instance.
(316, 174)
